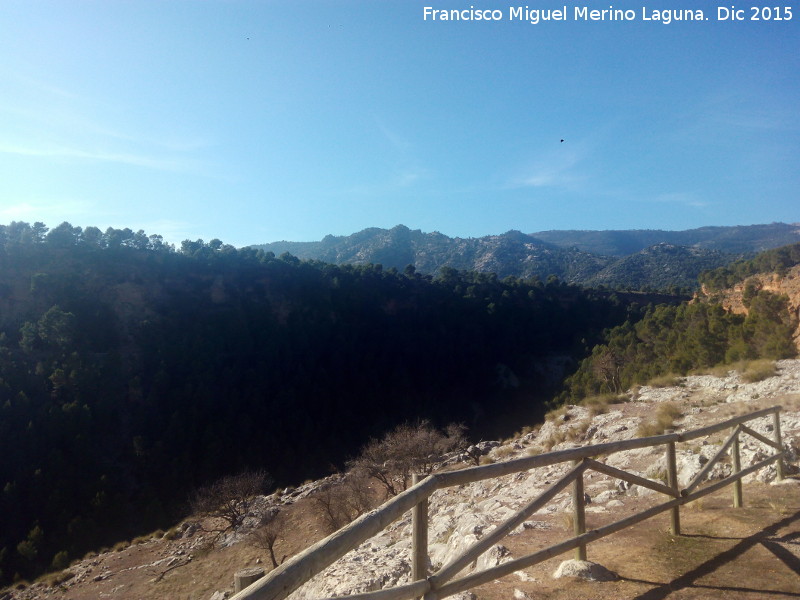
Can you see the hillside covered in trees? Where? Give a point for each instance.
(738, 239)
(132, 372)
(672, 340)
(777, 260)
(624, 259)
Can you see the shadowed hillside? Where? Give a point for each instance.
(131, 373)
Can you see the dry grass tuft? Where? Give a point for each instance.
(56, 579)
(598, 405)
(715, 371)
(779, 507)
(663, 381)
(557, 414)
(665, 416)
(554, 439)
(759, 370)
(750, 371)
(502, 452)
(698, 504)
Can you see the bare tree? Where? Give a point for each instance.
(228, 499)
(342, 501)
(607, 366)
(269, 532)
(405, 450)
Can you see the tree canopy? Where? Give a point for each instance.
(132, 372)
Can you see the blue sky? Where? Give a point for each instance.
(254, 121)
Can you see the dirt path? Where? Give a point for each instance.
(744, 553)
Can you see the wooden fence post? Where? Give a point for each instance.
(578, 513)
(419, 544)
(776, 420)
(246, 577)
(737, 466)
(672, 481)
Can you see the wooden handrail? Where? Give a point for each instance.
(700, 477)
(289, 576)
(631, 478)
(448, 571)
(286, 578)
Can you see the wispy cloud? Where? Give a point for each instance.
(397, 141)
(401, 168)
(398, 178)
(690, 199)
(40, 87)
(48, 211)
(49, 122)
(750, 110)
(740, 119)
(559, 167)
(61, 152)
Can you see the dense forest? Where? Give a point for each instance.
(737, 239)
(132, 372)
(777, 260)
(677, 339)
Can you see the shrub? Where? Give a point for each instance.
(758, 370)
(597, 405)
(555, 438)
(228, 498)
(60, 560)
(665, 416)
(503, 452)
(662, 381)
(270, 531)
(405, 450)
(56, 579)
(560, 413)
(340, 502)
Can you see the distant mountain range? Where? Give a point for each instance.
(739, 239)
(623, 258)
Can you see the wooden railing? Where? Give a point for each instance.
(285, 579)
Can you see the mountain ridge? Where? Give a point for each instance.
(616, 258)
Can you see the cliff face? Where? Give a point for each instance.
(788, 285)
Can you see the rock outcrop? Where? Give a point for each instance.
(788, 285)
(458, 517)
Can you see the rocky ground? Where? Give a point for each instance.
(751, 552)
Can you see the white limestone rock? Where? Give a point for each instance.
(584, 569)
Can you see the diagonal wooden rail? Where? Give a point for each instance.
(286, 578)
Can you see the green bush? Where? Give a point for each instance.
(60, 560)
